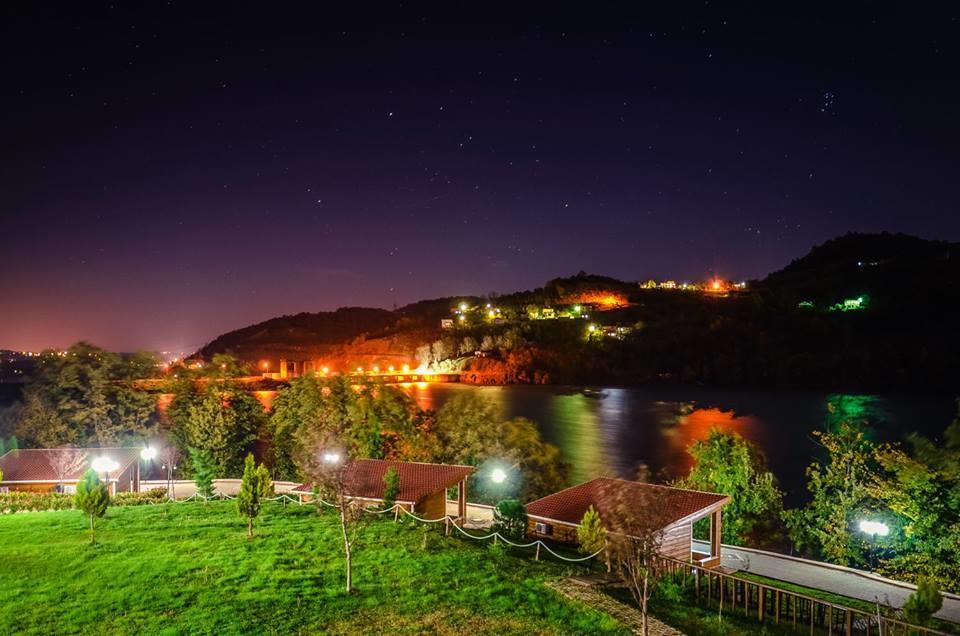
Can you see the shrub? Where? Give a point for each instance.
(391, 488)
(11, 502)
(154, 496)
(924, 603)
(510, 519)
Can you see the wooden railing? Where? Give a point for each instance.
(772, 605)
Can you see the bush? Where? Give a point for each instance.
(924, 603)
(16, 501)
(154, 496)
(510, 519)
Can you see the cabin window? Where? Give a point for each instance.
(543, 528)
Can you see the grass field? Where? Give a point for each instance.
(189, 569)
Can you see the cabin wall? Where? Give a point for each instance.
(558, 532)
(433, 506)
(677, 541)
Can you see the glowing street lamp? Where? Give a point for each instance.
(148, 453)
(106, 466)
(331, 457)
(498, 475)
(874, 528)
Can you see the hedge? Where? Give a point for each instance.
(11, 502)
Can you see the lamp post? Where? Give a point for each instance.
(147, 454)
(106, 466)
(873, 529)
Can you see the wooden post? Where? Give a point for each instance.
(462, 499)
(830, 619)
(761, 601)
(776, 605)
(715, 534)
(848, 628)
(537, 557)
(446, 526)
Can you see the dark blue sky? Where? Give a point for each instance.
(175, 171)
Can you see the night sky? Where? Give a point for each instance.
(171, 172)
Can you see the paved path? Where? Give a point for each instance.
(846, 581)
(626, 614)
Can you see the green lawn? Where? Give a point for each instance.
(189, 568)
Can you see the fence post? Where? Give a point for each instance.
(761, 601)
(537, 557)
(446, 526)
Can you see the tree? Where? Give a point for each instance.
(919, 489)
(636, 527)
(222, 418)
(726, 463)
(326, 463)
(65, 461)
(840, 494)
(88, 397)
(591, 533)
(92, 498)
(920, 606)
(375, 421)
(204, 471)
(510, 519)
(252, 491)
(470, 430)
(391, 488)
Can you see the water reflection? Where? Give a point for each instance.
(616, 430)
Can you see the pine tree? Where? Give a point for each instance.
(204, 471)
(92, 498)
(251, 492)
(591, 534)
(391, 488)
(920, 606)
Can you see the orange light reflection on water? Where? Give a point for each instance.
(697, 424)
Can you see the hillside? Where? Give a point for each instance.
(860, 312)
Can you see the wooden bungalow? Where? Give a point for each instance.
(423, 487)
(558, 516)
(39, 469)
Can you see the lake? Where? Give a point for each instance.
(612, 431)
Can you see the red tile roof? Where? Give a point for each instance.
(33, 464)
(417, 480)
(570, 504)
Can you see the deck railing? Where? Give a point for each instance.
(771, 605)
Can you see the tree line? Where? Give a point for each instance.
(90, 397)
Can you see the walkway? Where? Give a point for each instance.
(626, 614)
(823, 576)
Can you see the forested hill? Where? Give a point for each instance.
(859, 312)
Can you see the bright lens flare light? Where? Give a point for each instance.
(875, 528)
(331, 457)
(148, 453)
(498, 475)
(104, 465)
